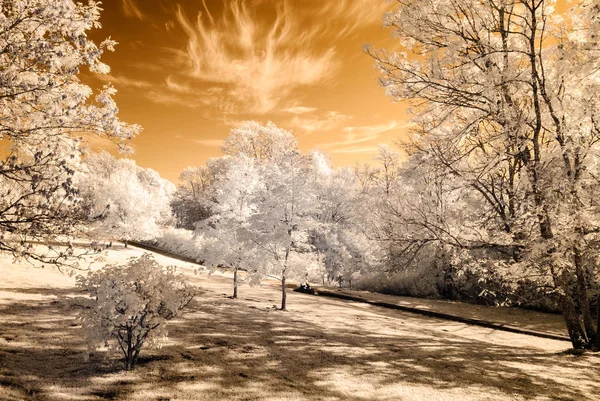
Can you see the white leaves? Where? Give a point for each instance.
(261, 142)
(43, 105)
(123, 200)
(269, 200)
(129, 305)
(503, 164)
(100, 68)
(108, 44)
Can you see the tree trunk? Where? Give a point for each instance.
(583, 300)
(283, 292)
(235, 283)
(129, 354)
(576, 331)
(283, 273)
(596, 345)
(137, 349)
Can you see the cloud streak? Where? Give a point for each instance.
(130, 9)
(324, 122)
(123, 82)
(355, 150)
(211, 143)
(356, 138)
(300, 110)
(262, 51)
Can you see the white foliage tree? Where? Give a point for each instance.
(284, 216)
(264, 143)
(124, 201)
(43, 46)
(226, 236)
(266, 203)
(338, 234)
(506, 96)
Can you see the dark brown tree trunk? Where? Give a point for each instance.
(283, 273)
(576, 331)
(596, 345)
(235, 283)
(283, 292)
(137, 349)
(583, 299)
(129, 355)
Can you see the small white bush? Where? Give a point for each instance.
(131, 304)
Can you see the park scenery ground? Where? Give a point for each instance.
(320, 349)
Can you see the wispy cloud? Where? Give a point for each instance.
(323, 122)
(300, 110)
(261, 67)
(130, 9)
(168, 98)
(262, 51)
(355, 150)
(356, 138)
(354, 13)
(212, 143)
(367, 133)
(178, 87)
(174, 91)
(123, 82)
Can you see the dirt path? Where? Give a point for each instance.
(322, 349)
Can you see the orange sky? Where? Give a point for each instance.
(190, 70)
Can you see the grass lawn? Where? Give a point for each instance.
(321, 349)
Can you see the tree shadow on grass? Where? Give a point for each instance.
(241, 350)
(41, 345)
(44, 291)
(245, 346)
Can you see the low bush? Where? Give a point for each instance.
(412, 283)
(129, 305)
(180, 242)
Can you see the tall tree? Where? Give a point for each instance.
(43, 46)
(506, 106)
(277, 227)
(226, 236)
(284, 217)
(389, 162)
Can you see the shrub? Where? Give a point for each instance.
(180, 242)
(412, 283)
(129, 305)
